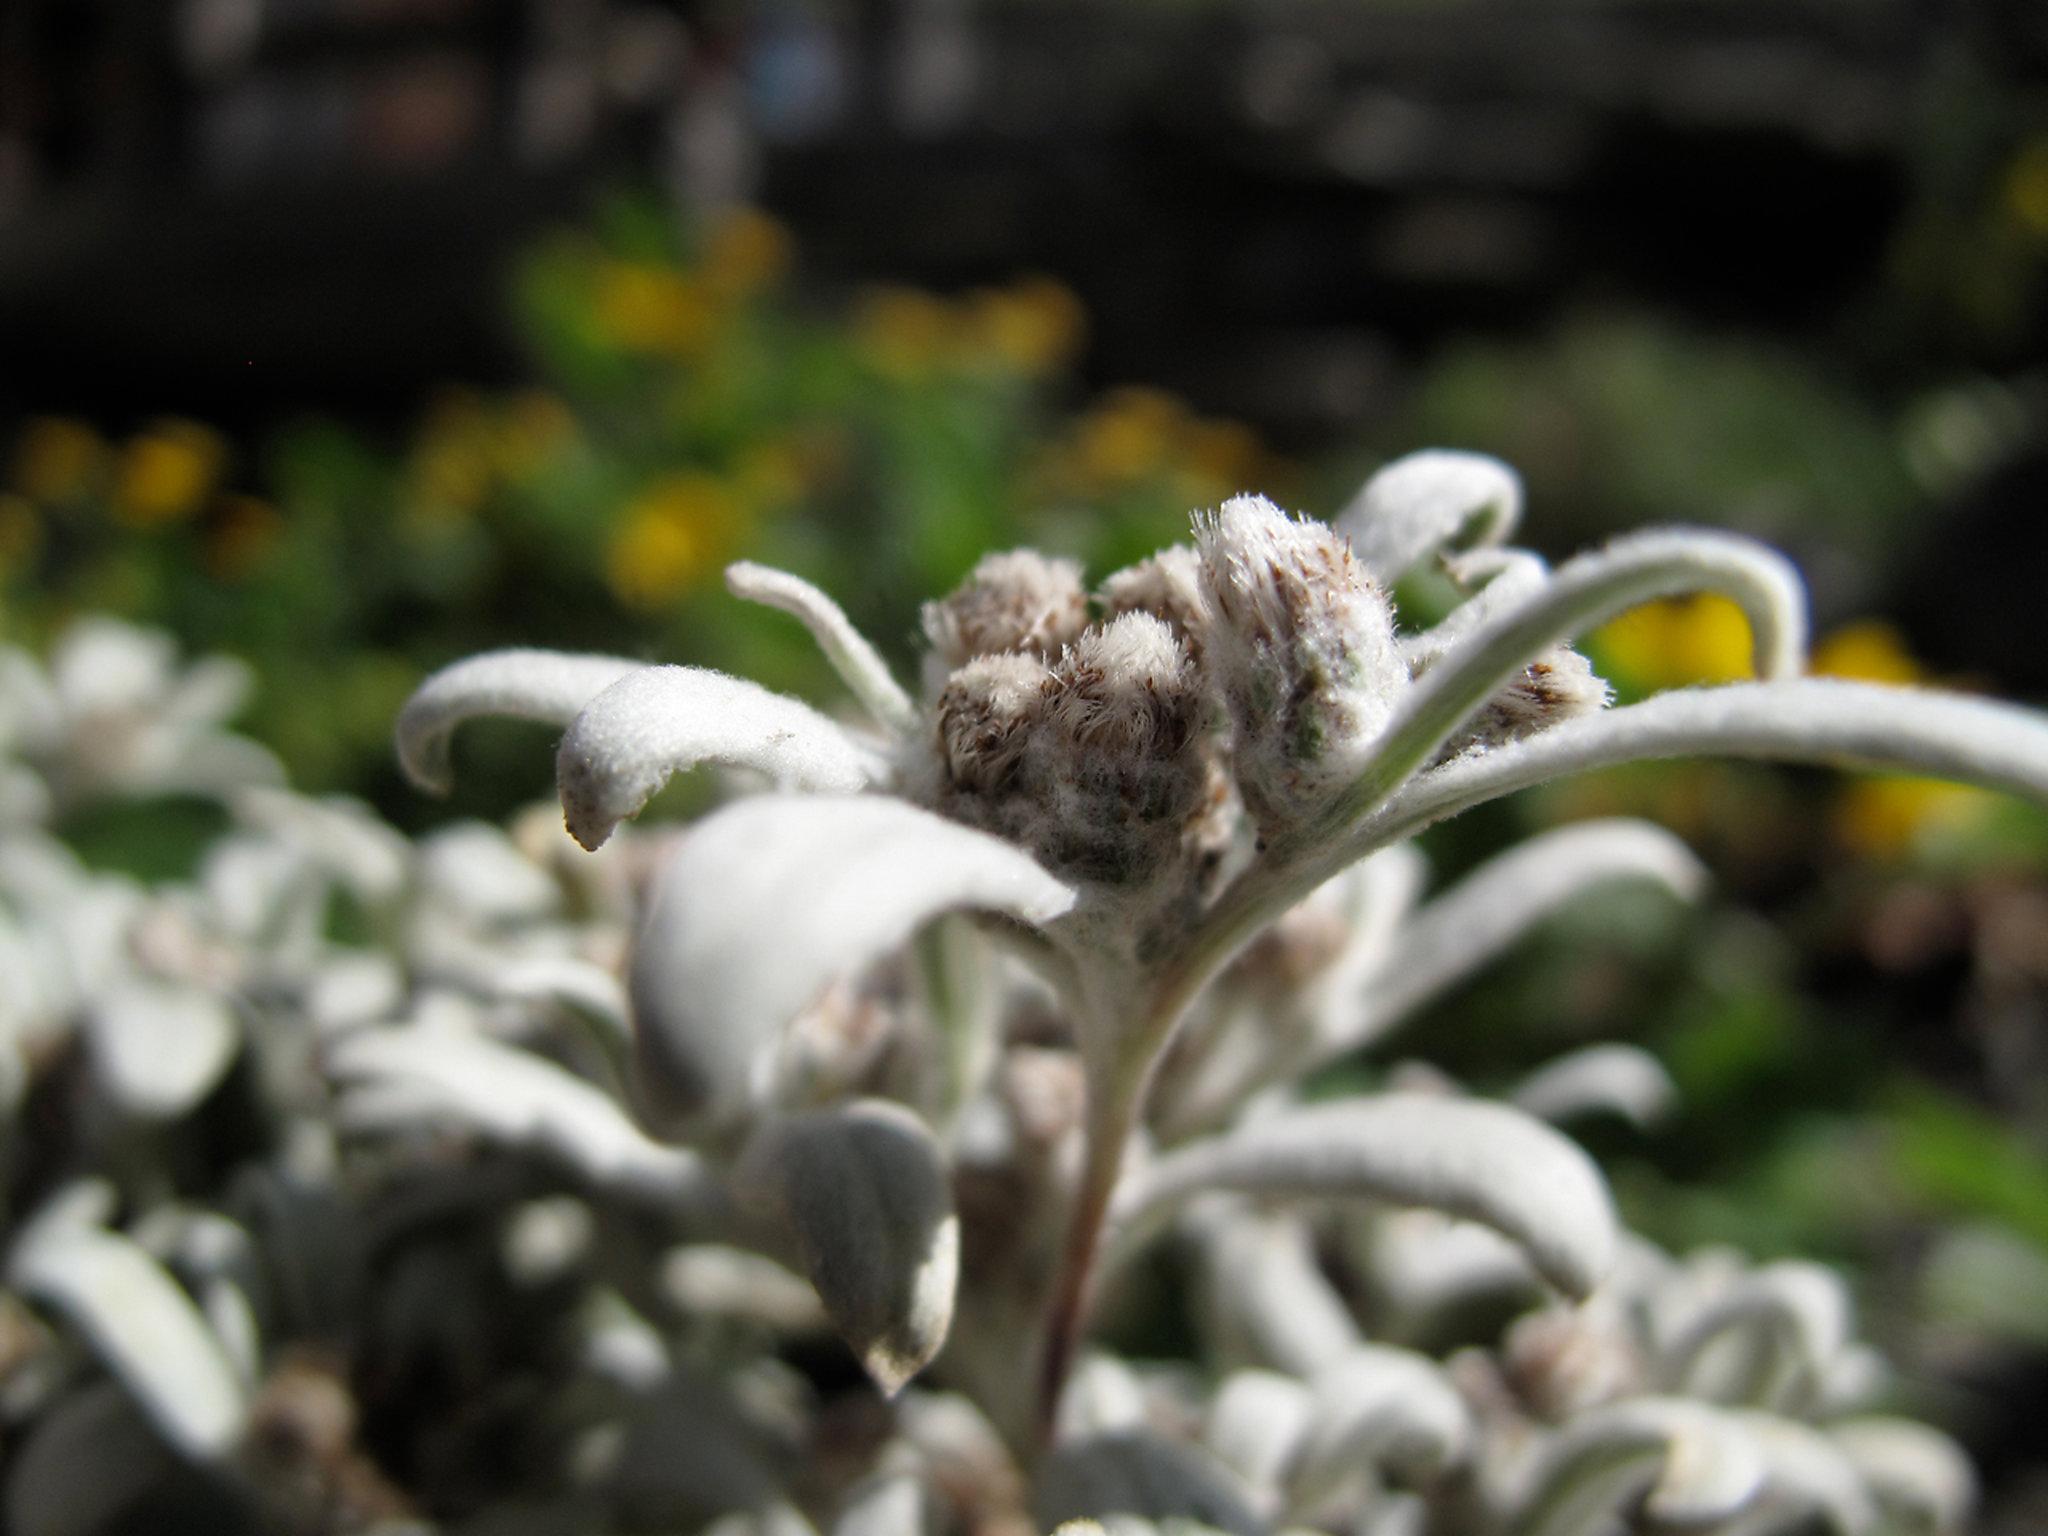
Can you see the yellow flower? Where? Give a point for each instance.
(1032, 327)
(1887, 818)
(1869, 651)
(1223, 456)
(747, 251)
(453, 461)
(770, 472)
(243, 532)
(903, 334)
(166, 473)
(1678, 642)
(1127, 437)
(58, 459)
(641, 307)
(2026, 188)
(530, 429)
(21, 533)
(672, 535)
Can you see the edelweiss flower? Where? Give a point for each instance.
(1128, 793)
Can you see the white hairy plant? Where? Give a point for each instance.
(1126, 793)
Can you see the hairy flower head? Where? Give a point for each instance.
(1016, 601)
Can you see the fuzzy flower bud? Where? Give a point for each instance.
(1558, 685)
(1168, 586)
(1302, 647)
(1019, 601)
(985, 714)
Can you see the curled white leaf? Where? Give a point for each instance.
(160, 1048)
(862, 1191)
(1623, 1080)
(852, 657)
(1426, 501)
(657, 721)
(1139, 1475)
(140, 1322)
(427, 1076)
(1505, 578)
(1383, 1411)
(1477, 920)
(1485, 1162)
(886, 1504)
(1264, 1300)
(1685, 1462)
(1916, 1471)
(1810, 720)
(549, 686)
(765, 904)
(1809, 1476)
(1771, 1333)
(1255, 1423)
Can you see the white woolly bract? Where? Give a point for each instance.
(1378, 1410)
(1428, 501)
(862, 1190)
(1264, 1300)
(765, 903)
(1167, 585)
(140, 1322)
(159, 1048)
(657, 721)
(1468, 926)
(1678, 1460)
(550, 686)
(1810, 720)
(1612, 1078)
(1486, 1162)
(856, 661)
(1911, 1468)
(425, 1076)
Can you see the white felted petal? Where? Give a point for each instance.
(1586, 592)
(550, 686)
(141, 1324)
(1479, 918)
(1485, 1162)
(1916, 1471)
(1142, 1475)
(863, 1193)
(1812, 720)
(1428, 501)
(766, 903)
(658, 721)
(1685, 1462)
(159, 1048)
(852, 657)
(1622, 1080)
(1379, 1410)
(428, 1076)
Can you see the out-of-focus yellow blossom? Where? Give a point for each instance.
(21, 533)
(903, 333)
(770, 472)
(1887, 818)
(166, 473)
(641, 307)
(454, 458)
(1130, 435)
(746, 252)
(1223, 456)
(1869, 651)
(531, 428)
(1677, 642)
(2026, 188)
(244, 530)
(1032, 327)
(672, 536)
(58, 459)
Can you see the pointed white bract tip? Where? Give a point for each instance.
(657, 721)
(549, 686)
(1019, 600)
(1302, 647)
(1436, 499)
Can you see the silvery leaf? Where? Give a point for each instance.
(1687, 1463)
(158, 1047)
(342, 836)
(1139, 1475)
(657, 721)
(1771, 1333)
(852, 657)
(477, 870)
(862, 1191)
(1918, 1472)
(714, 1280)
(141, 1324)
(1485, 1162)
(1263, 1298)
(767, 902)
(1378, 1410)
(1422, 1264)
(1102, 1396)
(1426, 501)
(1475, 921)
(84, 1466)
(886, 1504)
(1622, 1080)
(436, 1075)
(549, 686)
(1810, 1477)
(1504, 578)
(1256, 1422)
